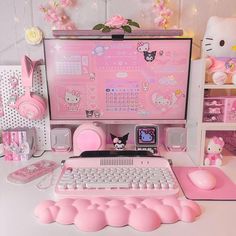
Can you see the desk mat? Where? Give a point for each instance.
(225, 189)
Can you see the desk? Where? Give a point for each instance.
(17, 203)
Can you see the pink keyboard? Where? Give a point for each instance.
(116, 177)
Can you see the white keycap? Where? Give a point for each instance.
(150, 185)
(157, 185)
(108, 185)
(135, 185)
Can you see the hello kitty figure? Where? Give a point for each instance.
(219, 48)
(164, 103)
(213, 151)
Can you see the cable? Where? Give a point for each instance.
(37, 156)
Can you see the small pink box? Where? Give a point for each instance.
(220, 109)
(19, 143)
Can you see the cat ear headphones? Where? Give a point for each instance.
(30, 105)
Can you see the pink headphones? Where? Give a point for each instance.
(30, 105)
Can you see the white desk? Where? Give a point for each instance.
(17, 203)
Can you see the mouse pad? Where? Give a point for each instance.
(225, 189)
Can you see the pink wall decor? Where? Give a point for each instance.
(55, 14)
(163, 13)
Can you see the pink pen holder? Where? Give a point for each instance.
(19, 143)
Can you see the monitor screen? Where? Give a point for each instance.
(118, 79)
(146, 135)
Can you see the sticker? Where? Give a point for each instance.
(142, 47)
(89, 113)
(145, 85)
(99, 50)
(72, 97)
(149, 56)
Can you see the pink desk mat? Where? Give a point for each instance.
(225, 189)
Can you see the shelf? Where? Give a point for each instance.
(78, 122)
(224, 86)
(218, 126)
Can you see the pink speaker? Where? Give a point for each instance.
(175, 139)
(88, 137)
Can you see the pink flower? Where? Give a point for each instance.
(116, 22)
(66, 3)
(166, 12)
(51, 15)
(160, 21)
(42, 8)
(65, 26)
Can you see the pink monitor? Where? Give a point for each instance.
(100, 79)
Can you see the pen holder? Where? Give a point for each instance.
(19, 143)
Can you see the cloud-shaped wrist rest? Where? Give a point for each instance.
(95, 214)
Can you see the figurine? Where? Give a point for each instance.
(119, 142)
(213, 151)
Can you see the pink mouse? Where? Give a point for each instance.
(202, 179)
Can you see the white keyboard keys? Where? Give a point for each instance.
(108, 185)
(117, 177)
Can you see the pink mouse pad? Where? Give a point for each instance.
(225, 189)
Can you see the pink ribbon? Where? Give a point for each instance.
(219, 141)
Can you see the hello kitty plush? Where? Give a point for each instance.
(219, 48)
(214, 148)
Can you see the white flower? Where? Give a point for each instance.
(33, 35)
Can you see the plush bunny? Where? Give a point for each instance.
(214, 148)
(219, 49)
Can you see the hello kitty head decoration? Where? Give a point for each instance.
(220, 37)
(219, 49)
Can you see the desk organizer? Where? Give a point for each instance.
(19, 143)
(220, 109)
(95, 214)
(10, 89)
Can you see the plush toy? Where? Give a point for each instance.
(214, 148)
(219, 48)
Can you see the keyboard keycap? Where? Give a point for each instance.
(76, 180)
(108, 185)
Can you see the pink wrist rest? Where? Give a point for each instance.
(95, 214)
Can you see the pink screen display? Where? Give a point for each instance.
(128, 79)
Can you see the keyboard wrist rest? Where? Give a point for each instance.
(143, 214)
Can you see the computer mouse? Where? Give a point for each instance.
(202, 179)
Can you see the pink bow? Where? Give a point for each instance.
(219, 141)
(140, 43)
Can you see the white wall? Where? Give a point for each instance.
(16, 15)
